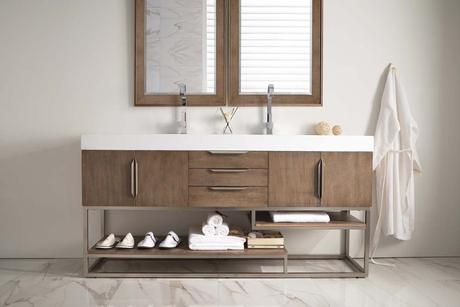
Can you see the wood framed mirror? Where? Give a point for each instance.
(228, 51)
(279, 43)
(179, 42)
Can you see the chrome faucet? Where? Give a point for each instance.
(270, 94)
(183, 100)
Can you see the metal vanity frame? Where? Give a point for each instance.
(358, 270)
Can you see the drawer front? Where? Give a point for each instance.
(204, 159)
(226, 197)
(228, 177)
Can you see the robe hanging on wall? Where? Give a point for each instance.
(395, 161)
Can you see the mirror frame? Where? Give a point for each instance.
(143, 99)
(237, 99)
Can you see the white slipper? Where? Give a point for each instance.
(108, 242)
(127, 242)
(148, 242)
(172, 240)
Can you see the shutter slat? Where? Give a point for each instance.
(276, 46)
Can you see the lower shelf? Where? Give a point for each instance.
(183, 252)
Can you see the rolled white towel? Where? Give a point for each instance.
(222, 230)
(208, 230)
(214, 219)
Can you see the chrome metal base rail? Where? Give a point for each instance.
(357, 270)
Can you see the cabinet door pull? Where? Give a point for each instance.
(136, 169)
(226, 152)
(133, 179)
(323, 182)
(228, 170)
(228, 189)
(319, 179)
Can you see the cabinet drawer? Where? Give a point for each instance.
(227, 197)
(204, 159)
(228, 177)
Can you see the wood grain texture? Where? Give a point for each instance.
(248, 177)
(347, 179)
(141, 99)
(163, 178)
(250, 197)
(236, 99)
(204, 159)
(293, 179)
(106, 178)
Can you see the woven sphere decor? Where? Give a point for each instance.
(337, 130)
(323, 128)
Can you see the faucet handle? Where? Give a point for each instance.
(271, 90)
(182, 89)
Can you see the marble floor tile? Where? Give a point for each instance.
(57, 282)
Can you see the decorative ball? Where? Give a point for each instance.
(323, 128)
(337, 130)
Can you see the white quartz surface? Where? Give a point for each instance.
(192, 142)
(413, 282)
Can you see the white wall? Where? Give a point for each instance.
(66, 68)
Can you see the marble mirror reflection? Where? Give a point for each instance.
(180, 46)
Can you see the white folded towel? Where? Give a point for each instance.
(208, 230)
(195, 237)
(222, 230)
(300, 217)
(210, 247)
(214, 219)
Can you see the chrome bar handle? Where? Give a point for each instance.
(136, 169)
(228, 170)
(319, 179)
(227, 152)
(133, 179)
(323, 182)
(227, 189)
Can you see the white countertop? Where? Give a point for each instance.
(218, 142)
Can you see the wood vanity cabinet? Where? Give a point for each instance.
(228, 179)
(135, 178)
(106, 178)
(347, 179)
(327, 179)
(293, 179)
(162, 178)
(241, 179)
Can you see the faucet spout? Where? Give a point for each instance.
(270, 94)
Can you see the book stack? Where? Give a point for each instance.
(265, 239)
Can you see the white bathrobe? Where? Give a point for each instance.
(395, 160)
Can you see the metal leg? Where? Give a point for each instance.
(103, 232)
(85, 242)
(367, 236)
(345, 248)
(285, 263)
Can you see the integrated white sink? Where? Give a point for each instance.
(218, 142)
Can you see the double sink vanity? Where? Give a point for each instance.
(253, 173)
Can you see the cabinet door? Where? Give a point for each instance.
(106, 178)
(347, 179)
(162, 178)
(293, 179)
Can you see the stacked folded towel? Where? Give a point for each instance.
(214, 235)
(300, 217)
(215, 226)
